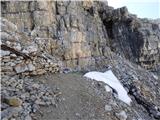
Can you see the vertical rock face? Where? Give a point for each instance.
(133, 38)
(72, 31)
(79, 33)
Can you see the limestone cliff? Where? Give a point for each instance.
(78, 32)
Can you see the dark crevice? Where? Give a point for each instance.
(56, 4)
(109, 25)
(33, 25)
(31, 17)
(63, 58)
(149, 62)
(90, 11)
(3, 7)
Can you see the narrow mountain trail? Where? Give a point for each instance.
(83, 99)
(79, 100)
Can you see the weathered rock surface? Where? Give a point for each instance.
(78, 32)
(14, 101)
(22, 55)
(133, 38)
(38, 37)
(22, 97)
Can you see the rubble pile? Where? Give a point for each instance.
(20, 56)
(21, 97)
(20, 59)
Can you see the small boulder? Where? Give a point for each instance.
(14, 101)
(31, 67)
(122, 115)
(108, 108)
(21, 68)
(4, 53)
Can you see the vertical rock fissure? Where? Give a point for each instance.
(108, 25)
(31, 16)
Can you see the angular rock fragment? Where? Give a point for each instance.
(13, 101)
(4, 53)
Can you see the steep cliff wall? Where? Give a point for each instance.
(133, 38)
(78, 32)
(65, 29)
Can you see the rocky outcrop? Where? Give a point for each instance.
(19, 54)
(71, 31)
(78, 32)
(20, 58)
(133, 38)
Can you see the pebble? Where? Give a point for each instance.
(20, 68)
(6, 69)
(77, 114)
(12, 64)
(4, 53)
(50, 69)
(39, 102)
(18, 59)
(13, 55)
(40, 71)
(108, 108)
(122, 115)
(108, 89)
(31, 67)
(14, 101)
(18, 47)
(6, 59)
(35, 85)
(8, 42)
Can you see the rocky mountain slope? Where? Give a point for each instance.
(38, 37)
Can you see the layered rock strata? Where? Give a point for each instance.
(78, 32)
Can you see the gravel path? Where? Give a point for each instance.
(79, 99)
(83, 99)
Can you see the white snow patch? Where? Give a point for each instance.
(110, 79)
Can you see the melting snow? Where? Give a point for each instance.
(110, 79)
